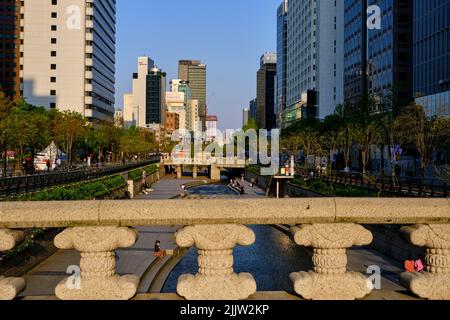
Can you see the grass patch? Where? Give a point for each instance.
(82, 191)
(333, 190)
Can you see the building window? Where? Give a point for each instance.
(53, 92)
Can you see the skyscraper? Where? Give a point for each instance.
(265, 91)
(378, 60)
(282, 32)
(149, 95)
(245, 116)
(315, 55)
(355, 51)
(194, 72)
(253, 106)
(9, 47)
(68, 56)
(389, 53)
(156, 97)
(432, 56)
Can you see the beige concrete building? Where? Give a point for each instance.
(175, 103)
(194, 71)
(129, 111)
(68, 56)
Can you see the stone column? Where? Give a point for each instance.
(179, 170)
(216, 279)
(10, 287)
(434, 284)
(215, 173)
(330, 279)
(195, 172)
(98, 279)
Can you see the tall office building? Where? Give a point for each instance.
(245, 116)
(253, 106)
(282, 32)
(155, 113)
(10, 47)
(265, 92)
(389, 53)
(355, 51)
(146, 106)
(432, 56)
(194, 72)
(68, 56)
(315, 55)
(129, 111)
(378, 61)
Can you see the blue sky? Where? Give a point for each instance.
(229, 36)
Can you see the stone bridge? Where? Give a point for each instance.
(214, 165)
(329, 225)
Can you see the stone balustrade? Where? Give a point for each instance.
(330, 226)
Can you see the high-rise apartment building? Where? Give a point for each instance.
(194, 72)
(315, 55)
(10, 47)
(431, 67)
(68, 55)
(265, 92)
(282, 46)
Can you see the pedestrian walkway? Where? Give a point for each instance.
(43, 279)
(165, 189)
(252, 192)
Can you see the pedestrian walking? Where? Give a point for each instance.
(252, 183)
(158, 252)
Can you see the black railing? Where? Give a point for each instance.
(405, 186)
(15, 186)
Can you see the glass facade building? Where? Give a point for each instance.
(378, 61)
(355, 51)
(156, 84)
(281, 60)
(432, 56)
(265, 93)
(9, 47)
(389, 54)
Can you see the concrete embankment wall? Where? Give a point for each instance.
(291, 190)
(135, 187)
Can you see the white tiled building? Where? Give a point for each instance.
(68, 55)
(315, 52)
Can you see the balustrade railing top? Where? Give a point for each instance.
(218, 211)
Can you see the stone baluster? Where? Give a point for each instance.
(98, 279)
(10, 287)
(434, 284)
(330, 279)
(216, 279)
